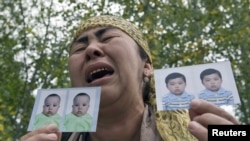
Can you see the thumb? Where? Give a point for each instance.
(59, 135)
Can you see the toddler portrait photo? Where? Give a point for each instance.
(213, 82)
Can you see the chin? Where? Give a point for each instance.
(79, 115)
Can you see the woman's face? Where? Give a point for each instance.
(109, 58)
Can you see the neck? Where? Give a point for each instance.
(123, 125)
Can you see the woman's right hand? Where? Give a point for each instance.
(203, 113)
(46, 133)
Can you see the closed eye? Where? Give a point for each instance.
(80, 49)
(106, 39)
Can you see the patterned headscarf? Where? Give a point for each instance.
(172, 125)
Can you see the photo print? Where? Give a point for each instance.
(213, 82)
(71, 109)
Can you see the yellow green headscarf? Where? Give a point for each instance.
(172, 125)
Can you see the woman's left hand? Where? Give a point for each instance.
(202, 114)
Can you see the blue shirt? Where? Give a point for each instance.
(173, 102)
(221, 97)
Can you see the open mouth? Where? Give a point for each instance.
(99, 73)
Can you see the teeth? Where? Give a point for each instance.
(98, 70)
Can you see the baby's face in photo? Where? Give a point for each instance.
(51, 106)
(176, 86)
(81, 105)
(212, 82)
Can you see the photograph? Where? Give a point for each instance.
(177, 97)
(48, 108)
(213, 82)
(81, 110)
(77, 106)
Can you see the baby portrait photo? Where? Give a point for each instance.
(77, 106)
(48, 108)
(214, 82)
(81, 111)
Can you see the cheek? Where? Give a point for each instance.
(75, 66)
(207, 84)
(219, 81)
(74, 63)
(123, 50)
(183, 87)
(171, 88)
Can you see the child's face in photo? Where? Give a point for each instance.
(81, 105)
(212, 82)
(176, 86)
(51, 106)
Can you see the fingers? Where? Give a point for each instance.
(211, 119)
(46, 130)
(202, 114)
(48, 133)
(198, 127)
(41, 137)
(198, 131)
(199, 107)
(59, 136)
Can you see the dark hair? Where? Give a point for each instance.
(142, 53)
(146, 89)
(52, 95)
(208, 72)
(173, 76)
(81, 94)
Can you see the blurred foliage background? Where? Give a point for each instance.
(35, 37)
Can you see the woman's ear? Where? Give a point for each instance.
(148, 69)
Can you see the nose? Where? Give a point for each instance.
(94, 50)
(80, 107)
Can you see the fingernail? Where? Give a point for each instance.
(193, 125)
(52, 128)
(195, 103)
(52, 137)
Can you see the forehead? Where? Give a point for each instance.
(80, 97)
(212, 75)
(177, 79)
(52, 98)
(99, 30)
